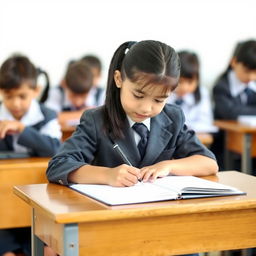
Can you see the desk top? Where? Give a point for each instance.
(24, 162)
(234, 126)
(64, 205)
(205, 138)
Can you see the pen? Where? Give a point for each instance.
(122, 155)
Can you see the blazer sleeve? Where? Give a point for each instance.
(227, 106)
(40, 144)
(75, 152)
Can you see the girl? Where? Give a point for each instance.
(192, 98)
(234, 93)
(141, 78)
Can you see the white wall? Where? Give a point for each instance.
(51, 32)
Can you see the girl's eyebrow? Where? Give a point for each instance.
(164, 96)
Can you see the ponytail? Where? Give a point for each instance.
(45, 92)
(114, 113)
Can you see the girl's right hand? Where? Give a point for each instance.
(123, 176)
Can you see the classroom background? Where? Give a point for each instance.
(53, 32)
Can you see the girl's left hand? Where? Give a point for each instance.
(152, 172)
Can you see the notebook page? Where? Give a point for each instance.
(184, 183)
(139, 193)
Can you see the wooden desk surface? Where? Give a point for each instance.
(205, 138)
(162, 228)
(24, 162)
(235, 135)
(15, 213)
(235, 126)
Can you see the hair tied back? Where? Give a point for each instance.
(130, 44)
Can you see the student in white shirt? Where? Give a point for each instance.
(25, 126)
(191, 96)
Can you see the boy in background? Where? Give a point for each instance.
(72, 94)
(25, 127)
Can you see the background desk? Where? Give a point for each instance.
(240, 139)
(14, 213)
(73, 224)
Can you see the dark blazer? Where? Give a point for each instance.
(228, 107)
(169, 138)
(37, 143)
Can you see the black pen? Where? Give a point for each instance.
(122, 155)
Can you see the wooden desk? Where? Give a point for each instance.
(14, 213)
(205, 138)
(68, 121)
(240, 139)
(73, 224)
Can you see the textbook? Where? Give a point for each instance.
(162, 189)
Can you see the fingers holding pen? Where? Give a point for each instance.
(124, 175)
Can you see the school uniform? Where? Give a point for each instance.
(169, 138)
(231, 100)
(199, 115)
(230, 97)
(41, 136)
(58, 100)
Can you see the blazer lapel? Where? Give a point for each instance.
(158, 138)
(128, 146)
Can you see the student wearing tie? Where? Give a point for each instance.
(141, 77)
(135, 135)
(193, 98)
(234, 93)
(25, 127)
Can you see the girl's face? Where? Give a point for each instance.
(140, 103)
(244, 74)
(186, 85)
(18, 101)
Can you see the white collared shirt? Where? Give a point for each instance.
(33, 116)
(237, 87)
(136, 135)
(199, 116)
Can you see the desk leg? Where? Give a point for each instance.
(246, 156)
(37, 245)
(71, 240)
(227, 155)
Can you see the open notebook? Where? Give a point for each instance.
(167, 188)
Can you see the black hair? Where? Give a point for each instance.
(146, 62)
(78, 77)
(45, 92)
(190, 69)
(244, 52)
(92, 61)
(17, 70)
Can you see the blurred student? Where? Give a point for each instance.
(96, 96)
(235, 90)
(73, 92)
(234, 93)
(191, 96)
(25, 126)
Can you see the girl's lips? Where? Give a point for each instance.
(141, 116)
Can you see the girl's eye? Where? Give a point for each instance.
(138, 96)
(159, 101)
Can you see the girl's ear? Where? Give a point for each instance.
(118, 79)
(233, 62)
(37, 91)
